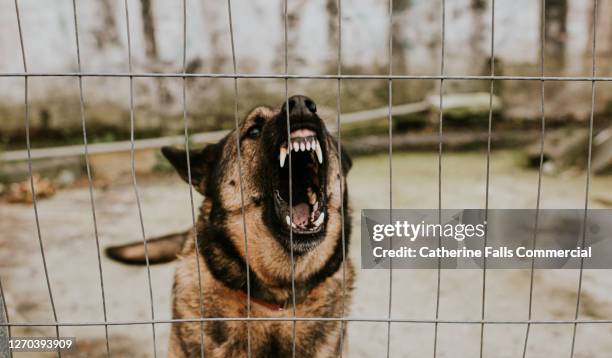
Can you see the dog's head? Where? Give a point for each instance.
(292, 180)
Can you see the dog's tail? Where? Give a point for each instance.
(159, 250)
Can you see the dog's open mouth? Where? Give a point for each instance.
(307, 183)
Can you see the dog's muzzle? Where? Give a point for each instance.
(299, 198)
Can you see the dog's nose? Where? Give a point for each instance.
(300, 105)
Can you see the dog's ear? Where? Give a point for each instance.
(201, 164)
(347, 162)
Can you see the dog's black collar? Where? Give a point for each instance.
(273, 306)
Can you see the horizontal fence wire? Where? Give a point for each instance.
(312, 76)
(307, 319)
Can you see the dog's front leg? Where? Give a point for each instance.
(175, 349)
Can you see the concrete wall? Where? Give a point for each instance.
(156, 33)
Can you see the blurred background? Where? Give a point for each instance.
(313, 40)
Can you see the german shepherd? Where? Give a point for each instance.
(318, 243)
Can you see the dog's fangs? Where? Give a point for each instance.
(307, 215)
(302, 223)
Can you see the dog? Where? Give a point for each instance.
(304, 221)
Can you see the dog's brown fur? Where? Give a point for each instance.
(319, 272)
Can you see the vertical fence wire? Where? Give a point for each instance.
(239, 165)
(588, 175)
(390, 154)
(6, 315)
(31, 175)
(540, 169)
(440, 137)
(134, 180)
(189, 180)
(341, 181)
(285, 23)
(487, 180)
(89, 178)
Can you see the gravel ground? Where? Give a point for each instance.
(70, 249)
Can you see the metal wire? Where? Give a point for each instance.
(306, 319)
(341, 181)
(588, 176)
(31, 176)
(285, 23)
(440, 130)
(488, 176)
(312, 76)
(89, 178)
(540, 170)
(5, 313)
(191, 202)
(134, 180)
(239, 164)
(390, 154)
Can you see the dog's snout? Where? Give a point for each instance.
(300, 105)
(310, 105)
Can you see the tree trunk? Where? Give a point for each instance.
(106, 33)
(604, 38)
(148, 24)
(294, 17)
(399, 41)
(331, 8)
(215, 20)
(478, 54)
(555, 35)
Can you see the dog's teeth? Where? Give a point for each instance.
(312, 197)
(302, 147)
(283, 156)
(296, 146)
(288, 220)
(315, 206)
(320, 220)
(319, 152)
(307, 145)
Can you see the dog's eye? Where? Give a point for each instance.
(254, 132)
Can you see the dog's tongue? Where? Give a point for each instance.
(300, 214)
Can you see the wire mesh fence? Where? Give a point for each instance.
(442, 78)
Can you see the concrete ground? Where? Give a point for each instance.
(70, 249)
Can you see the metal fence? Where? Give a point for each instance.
(436, 320)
